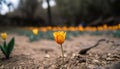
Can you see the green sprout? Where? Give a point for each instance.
(7, 48)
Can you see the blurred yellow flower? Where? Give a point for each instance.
(105, 27)
(94, 29)
(110, 28)
(59, 36)
(54, 29)
(80, 28)
(72, 28)
(49, 28)
(115, 27)
(119, 26)
(4, 36)
(35, 31)
(43, 29)
(88, 28)
(100, 28)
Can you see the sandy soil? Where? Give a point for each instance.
(45, 54)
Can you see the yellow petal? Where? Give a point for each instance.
(4, 36)
(59, 36)
(35, 31)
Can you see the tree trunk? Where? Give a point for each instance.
(49, 13)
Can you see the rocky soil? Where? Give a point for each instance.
(46, 54)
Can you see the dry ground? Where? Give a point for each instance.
(45, 54)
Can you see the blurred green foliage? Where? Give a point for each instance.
(49, 34)
(116, 33)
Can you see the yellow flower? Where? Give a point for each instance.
(100, 28)
(43, 29)
(59, 36)
(49, 27)
(80, 28)
(94, 29)
(119, 26)
(72, 28)
(35, 31)
(105, 27)
(64, 28)
(4, 36)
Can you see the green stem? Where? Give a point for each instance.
(62, 54)
(6, 49)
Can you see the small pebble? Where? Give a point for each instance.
(91, 66)
(73, 54)
(95, 61)
(109, 59)
(109, 54)
(47, 56)
(65, 55)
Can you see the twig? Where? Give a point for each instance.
(84, 51)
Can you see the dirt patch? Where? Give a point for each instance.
(45, 54)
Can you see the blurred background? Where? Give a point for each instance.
(59, 12)
(92, 27)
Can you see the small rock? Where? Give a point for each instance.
(13, 67)
(47, 56)
(20, 67)
(65, 55)
(53, 66)
(91, 66)
(22, 63)
(109, 54)
(103, 62)
(90, 54)
(109, 59)
(73, 54)
(104, 56)
(95, 61)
